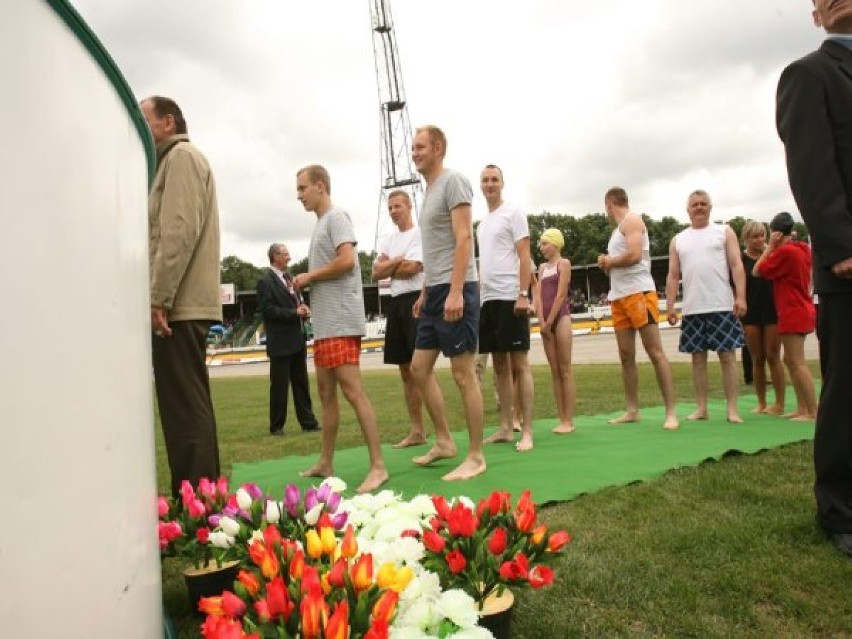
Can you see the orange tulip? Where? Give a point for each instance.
(558, 540)
(250, 581)
(362, 572)
(349, 547)
(311, 612)
(297, 564)
(385, 607)
(338, 623)
(538, 534)
(267, 561)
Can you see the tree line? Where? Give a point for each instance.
(586, 237)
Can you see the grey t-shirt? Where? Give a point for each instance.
(337, 306)
(448, 191)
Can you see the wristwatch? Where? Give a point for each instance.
(524, 294)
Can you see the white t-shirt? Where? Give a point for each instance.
(499, 265)
(408, 245)
(704, 270)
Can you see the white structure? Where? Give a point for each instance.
(78, 546)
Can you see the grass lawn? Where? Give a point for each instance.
(728, 549)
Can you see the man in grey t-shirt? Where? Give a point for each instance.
(334, 276)
(448, 307)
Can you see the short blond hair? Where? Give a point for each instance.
(435, 135)
(752, 228)
(317, 173)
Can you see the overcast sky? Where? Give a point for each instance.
(661, 97)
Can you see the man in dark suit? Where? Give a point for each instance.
(283, 313)
(814, 119)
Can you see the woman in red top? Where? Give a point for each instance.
(788, 265)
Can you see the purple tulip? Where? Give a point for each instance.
(253, 490)
(230, 511)
(213, 520)
(292, 499)
(311, 499)
(332, 503)
(323, 492)
(339, 520)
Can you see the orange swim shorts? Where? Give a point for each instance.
(337, 351)
(635, 311)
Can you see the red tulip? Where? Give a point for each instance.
(310, 578)
(525, 518)
(349, 545)
(385, 607)
(250, 581)
(499, 502)
(515, 570)
(337, 626)
(414, 534)
(261, 607)
(441, 506)
(558, 540)
(497, 543)
(311, 611)
(362, 573)
(278, 599)
(297, 564)
(202, 535)
(540, 576)
(337, 574)
(378, 630)
(462, 521)
(222, 628)
(267, 561)
(436, 524)
(271, 536)
(433, 541)
(456, 561)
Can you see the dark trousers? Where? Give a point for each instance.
(183, 396)
(833, 437)
(283, 371)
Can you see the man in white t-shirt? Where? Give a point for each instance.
(504, 325)
(634, 305)
(400, 258)
(708, 257)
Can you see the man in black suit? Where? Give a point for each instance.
(283, 313)
(814, 119)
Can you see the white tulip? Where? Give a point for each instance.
(229, 526)
(273, 511)
(221, 540)
(335, 483)
(243, 499)
(313, 515)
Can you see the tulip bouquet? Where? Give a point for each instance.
(484, 548)
(316, 587)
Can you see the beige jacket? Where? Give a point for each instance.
(183, 233)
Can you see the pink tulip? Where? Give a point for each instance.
(162, 507)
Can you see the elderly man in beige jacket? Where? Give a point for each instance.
(183, 237)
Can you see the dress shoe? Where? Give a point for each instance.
(311, 429)
(842, 541)
(277, 433)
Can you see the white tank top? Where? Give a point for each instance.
(629, 280)
(704, 270)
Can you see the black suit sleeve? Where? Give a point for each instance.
(804, 124)
(271, 310)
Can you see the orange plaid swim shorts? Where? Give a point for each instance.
(337, 351)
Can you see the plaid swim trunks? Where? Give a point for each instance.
(337, 351)
(719, 331)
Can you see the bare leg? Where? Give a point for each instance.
(728, 360)
(564, 338)
(522, 375)
(517, 402)
(772, 350)
(653, 344)
(464, 375)
(800, 375)
(327, 387)
(755, 342)
(422, 370)
(699, 383)
(503, 380)
(349, 378)
(549, 343)
(626, 339)
(416, 435)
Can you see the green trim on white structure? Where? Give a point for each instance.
(97, 50)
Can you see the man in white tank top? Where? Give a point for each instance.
(634, 305)
(707, 256)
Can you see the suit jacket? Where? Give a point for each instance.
(284, 334)
(814, 120)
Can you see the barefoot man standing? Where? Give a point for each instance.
(337, 308)
(448, 306)
(635, 307)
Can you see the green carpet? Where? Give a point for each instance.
(561, 467)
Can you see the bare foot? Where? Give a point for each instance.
(627, 418)
(438, 451)
(413, 439)
(792, 415)
(468, 468)
(319, 470)
(375, 478)
(803, 418)
(671, 422)
(516, 426)
(698, 415)
(525, 443)
(734, 418)
(500, 436)
(775, 409)
(759, 409)
(563, 429)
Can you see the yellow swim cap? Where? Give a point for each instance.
(554, 237)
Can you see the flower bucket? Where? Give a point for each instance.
(496, 614)
(209, 581)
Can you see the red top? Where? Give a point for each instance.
(789, 267)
